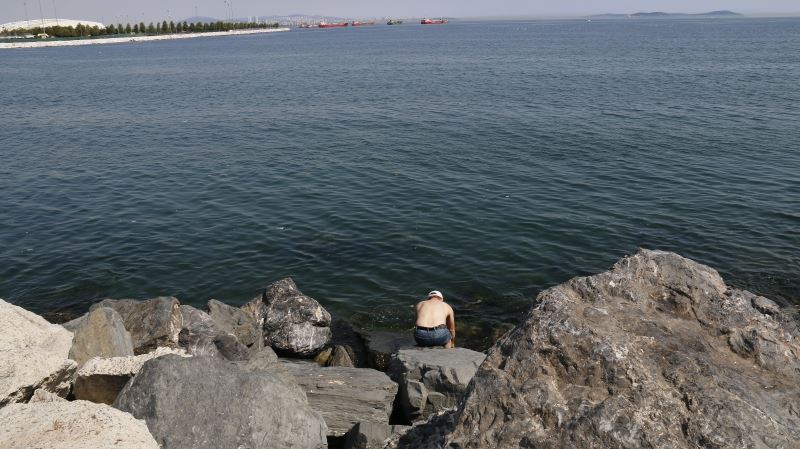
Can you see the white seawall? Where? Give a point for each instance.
(126, 39)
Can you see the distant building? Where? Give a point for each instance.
(37, 23)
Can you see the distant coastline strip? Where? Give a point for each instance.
(127, 39)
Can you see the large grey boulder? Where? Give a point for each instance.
(152, 323)
(238, 322)
(294, 324)
(205, 402)
(200, 335)
(101, 379)
(71, 425)
(431, 379)
(345, 396)
(656, 353)
(381, 345)
(33, 354)
(100, 333)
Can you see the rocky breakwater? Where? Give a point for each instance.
(657, 352)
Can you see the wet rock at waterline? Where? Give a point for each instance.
(294, 324)
(33, 355)
(152, 323)
(210, 403)
(657, 352)
(381, 345)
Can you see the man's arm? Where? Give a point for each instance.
(451, 325)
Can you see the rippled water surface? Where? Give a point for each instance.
(487, 160)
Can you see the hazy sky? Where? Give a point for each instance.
(137, 10)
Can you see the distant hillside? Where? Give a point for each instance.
(667, 15)
(200, 19)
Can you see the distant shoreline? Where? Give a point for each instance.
(128, 39)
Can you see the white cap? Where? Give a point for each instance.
(435, 293)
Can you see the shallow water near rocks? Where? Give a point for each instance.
(487, 160)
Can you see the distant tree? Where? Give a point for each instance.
(136, 28)
(185, 26)
(142, 28)
(165, 27)
(151, 29)
(171, 27)
(95, 31)
(128, 29)
(120, 28)
(111, 29)
(179, 27)
(158, 28)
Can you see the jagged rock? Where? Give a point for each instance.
(202, 336)
(294, 324)
(238, 322)
(152, 323)
(101, 379)
(369, 435)
(33, 355)
(100, 333)
(344, 334)
(431, 379)
(45, 396)
(430, 434)
(205, 402)
(341, 357)
(198, 333)
(656, 353)
(345, 396)
(71, 425)
(381, 345)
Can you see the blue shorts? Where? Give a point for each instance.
(436, 337)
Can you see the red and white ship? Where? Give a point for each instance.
(333, 25)
(361, 24)
(433, 21)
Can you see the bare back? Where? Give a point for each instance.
(433, 312)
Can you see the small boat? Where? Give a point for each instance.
(394, 22)
(305, 25)
(361, 24)
(433, 21)
(333, 25)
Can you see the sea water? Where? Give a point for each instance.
(489, 160)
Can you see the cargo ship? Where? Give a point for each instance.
(361, 24)
(433, 21)
(394, 22)
(333, 25)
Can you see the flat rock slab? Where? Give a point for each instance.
(71, 425)
(432, 379)
(101, 379)
(345, 396)
(152, 323)
(100, 333)
(210, 403)
(33, 355)
(382, 345)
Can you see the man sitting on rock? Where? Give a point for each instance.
(436, 323)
